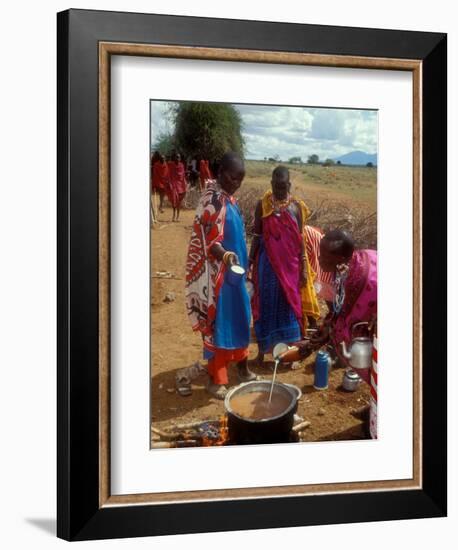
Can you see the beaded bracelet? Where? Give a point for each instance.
(226, 255)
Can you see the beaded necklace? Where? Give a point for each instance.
(339, 285)
(279, 205)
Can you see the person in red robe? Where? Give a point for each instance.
(160, 179)
(176, 190)
(204, 173)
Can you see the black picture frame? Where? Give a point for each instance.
(79, 514)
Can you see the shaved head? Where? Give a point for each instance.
(280, 172)
(339, 242)
(280, 182)
(231, 172)
(336, 247)
(231, 160)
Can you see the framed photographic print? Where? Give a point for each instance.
(252, 274)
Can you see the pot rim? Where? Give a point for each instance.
(288, 387)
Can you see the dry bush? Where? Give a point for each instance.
(326, 214)
(192, 198)
(247, 200)
(332, 214)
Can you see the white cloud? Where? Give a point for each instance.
(302, 131)
(327, 124)
(160, 119)
(293, 131)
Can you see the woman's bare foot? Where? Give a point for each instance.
(244, 373)
(218, 391)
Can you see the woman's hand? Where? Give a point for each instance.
(322, 337)
(232, 259)
(226, 256)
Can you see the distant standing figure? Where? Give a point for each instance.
(176, 189)
(204, 173)
(160, 179)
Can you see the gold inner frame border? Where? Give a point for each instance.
(106, 50)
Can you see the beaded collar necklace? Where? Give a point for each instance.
(339, 285)
(279, 205)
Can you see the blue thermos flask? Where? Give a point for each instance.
(321, 370)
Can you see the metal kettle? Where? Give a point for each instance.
(360, 352)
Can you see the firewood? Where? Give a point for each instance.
(174, 444)
(300, 427)
(162, 445)
(174, 436)
(166, 436)
(194, 424)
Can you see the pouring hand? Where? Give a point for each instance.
(305, 349)
(322, 337)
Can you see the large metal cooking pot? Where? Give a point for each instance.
(277, 429)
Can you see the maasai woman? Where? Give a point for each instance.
(284, 297)
(355, 299)
(216, 308)
(160, 179)
(176, 189)
(204, 173)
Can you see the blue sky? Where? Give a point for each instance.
(293, 131)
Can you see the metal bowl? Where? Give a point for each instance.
(275, 429)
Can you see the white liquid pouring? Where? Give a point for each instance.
(273, 379)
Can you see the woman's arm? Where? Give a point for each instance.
(220, 253)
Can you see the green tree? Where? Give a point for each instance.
(165, 144)
(313, 159)
(328, 162)
(207, 130)
(295, 160)
(370, 164)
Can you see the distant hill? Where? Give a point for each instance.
(358, 158)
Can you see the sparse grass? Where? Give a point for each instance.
(346, 182)
(338, 196)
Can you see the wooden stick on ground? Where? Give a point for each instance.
(172, 444)
(166, 436)
(301, 426)
(195, 424)
(173, 436)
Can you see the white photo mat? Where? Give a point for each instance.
(134, 467)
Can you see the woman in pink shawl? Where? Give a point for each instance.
(355, 297)
(284, 296)
(355, 301)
